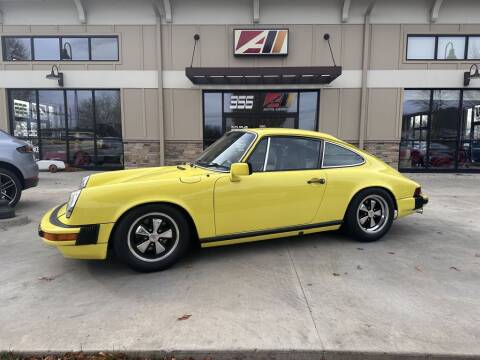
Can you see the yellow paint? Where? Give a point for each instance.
(220, 204)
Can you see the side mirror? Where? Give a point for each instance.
(240, 169)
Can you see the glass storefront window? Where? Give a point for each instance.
(46, 48)
(23, 115)
(451, 48)
(17, 49)
(421, 48)
(81, 127)
(212, 117)
(307, 112)
(59, 48)
(224, 111)
(441, 154)
(469, 152)
(74, 49)
(473, 47)
(108, 128)
(445, 114)
(70, 129)
(440, 129)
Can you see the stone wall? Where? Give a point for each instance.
(387, 151)
(384, 150)
(141, 153)
(181, 151)
(144, 153)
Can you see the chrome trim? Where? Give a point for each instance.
(345, 147)
(266, 155)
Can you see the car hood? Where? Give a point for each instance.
(184, 173)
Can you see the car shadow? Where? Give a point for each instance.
(112, 267)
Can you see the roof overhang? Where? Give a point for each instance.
(263, 75)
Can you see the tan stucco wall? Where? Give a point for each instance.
(183, 114)
(339, 113)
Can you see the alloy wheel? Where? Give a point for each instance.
(372, 214)
(8, 188)
(153, 237)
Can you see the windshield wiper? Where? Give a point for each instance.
(211, 164)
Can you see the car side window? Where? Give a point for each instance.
(257, 159)
(284, 153)
(338, 156)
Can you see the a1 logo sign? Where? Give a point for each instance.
(241, 102)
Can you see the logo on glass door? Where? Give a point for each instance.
(241, 102)
(261, 42)
(278, 101)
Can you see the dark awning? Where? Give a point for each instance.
(263, 75)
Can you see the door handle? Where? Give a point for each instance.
(316, 181)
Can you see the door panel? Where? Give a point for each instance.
(267, 200)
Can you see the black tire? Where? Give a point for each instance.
(139, 245)
(10, 187)
(366, 224)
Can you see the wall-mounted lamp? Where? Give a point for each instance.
(471, 74)
(56, 76)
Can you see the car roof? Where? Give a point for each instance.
(297, 132)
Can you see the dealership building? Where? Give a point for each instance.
(110, 84)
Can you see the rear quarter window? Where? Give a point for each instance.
(338, 156)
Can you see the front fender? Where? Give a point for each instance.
(106, 204)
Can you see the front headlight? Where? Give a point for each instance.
(84, 182)
(72, 201)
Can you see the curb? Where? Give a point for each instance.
(243, 355)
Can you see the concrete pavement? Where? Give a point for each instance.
(415, 292)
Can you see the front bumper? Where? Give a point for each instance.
(31, 182)
(74, 241)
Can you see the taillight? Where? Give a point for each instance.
(418, 192)
(25, 149)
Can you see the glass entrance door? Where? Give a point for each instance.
(229, 110)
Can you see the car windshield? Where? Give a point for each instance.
(227, 150)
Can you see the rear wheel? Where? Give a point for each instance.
(10, 187)
(152, 237)
(370, 215)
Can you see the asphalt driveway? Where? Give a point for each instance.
(417, 291)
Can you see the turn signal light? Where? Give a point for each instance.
(58, 237)
(418, 192)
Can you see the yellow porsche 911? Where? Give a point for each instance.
(250, 185)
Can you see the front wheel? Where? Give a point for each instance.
(10, 187)
(370, 215)
(152, 237)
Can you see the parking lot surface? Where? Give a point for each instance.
(415, 291)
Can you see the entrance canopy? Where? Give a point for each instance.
(263, 75)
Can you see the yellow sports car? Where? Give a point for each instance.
(250, 185)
